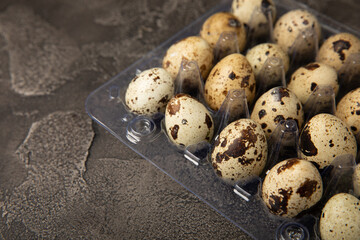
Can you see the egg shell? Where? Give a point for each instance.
(288, 28)
(305, 79)
(232, 72)
(336, 49)
(291, 187)
(276, 105)
(356, 180)
(187, 121)
(192, 48)
(221, 22)
(149, 91)
(240, 151)
(258, 55)
(325, 137)
(348, 110)
(250, 12)
(340, 218)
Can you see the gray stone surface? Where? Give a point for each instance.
(63, 177)
(39, 54)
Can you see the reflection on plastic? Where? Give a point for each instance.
(233, 108)
(305, 47)
(337, 177)
(292, 231)
(113, 92)
(283, 143)
(271, 74)
(349, 73)
(321, 100)
(143, 128)
(248, 188)
(268, 13)
(189, 80)
(197, 153)
(226, 45)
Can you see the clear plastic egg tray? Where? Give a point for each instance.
(241, 204)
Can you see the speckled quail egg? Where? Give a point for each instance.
(192, 48)
(336, 49)
(291, 187)
(324, 137)
(232, 72)
(187, 121)
(149, 91)
(293, 32)
(221, 22)
(251, 13)
(276, 105)
(240, 151)
(305, 79)
(348, 110)
(356, 180)
(258, 55)
(340, 218)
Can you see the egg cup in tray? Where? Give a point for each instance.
(240, 203)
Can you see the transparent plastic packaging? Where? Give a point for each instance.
(241, 203)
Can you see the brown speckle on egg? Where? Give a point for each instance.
(281, 104)
(149, 91)
(291, 187)
(241, 152)
(324, 137)
(188, 121)
(335, 50)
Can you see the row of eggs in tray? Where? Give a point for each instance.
(240, 148)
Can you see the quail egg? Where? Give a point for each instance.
(149, 91)
(187, 121)
(221, 22)
(291, 187)
(348, 110)
(276, 105)
(192, 48)
(356, 180)
(295, 32)
(340, 218)
(337, 48)
(240, 151)
(258, 55)
(305, 79)
(252, 13)
(232, 72)
(325, 137)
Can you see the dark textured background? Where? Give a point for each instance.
(62, 176)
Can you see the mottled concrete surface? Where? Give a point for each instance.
(64, 177)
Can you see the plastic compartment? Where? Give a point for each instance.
(240, 204)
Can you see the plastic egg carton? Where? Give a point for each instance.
(241, 203)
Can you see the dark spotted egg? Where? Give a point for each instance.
(324, 138)
(337, 48)
(253, 13)
(293, 30)
(348, 110)
(193, 48)
(149, 91)
(356, 180)
(276, 105)
(232, 72)
(305, 79)
(187, 121)
(291, 187)
(340, 218)
(240, 151)
(219, 23)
